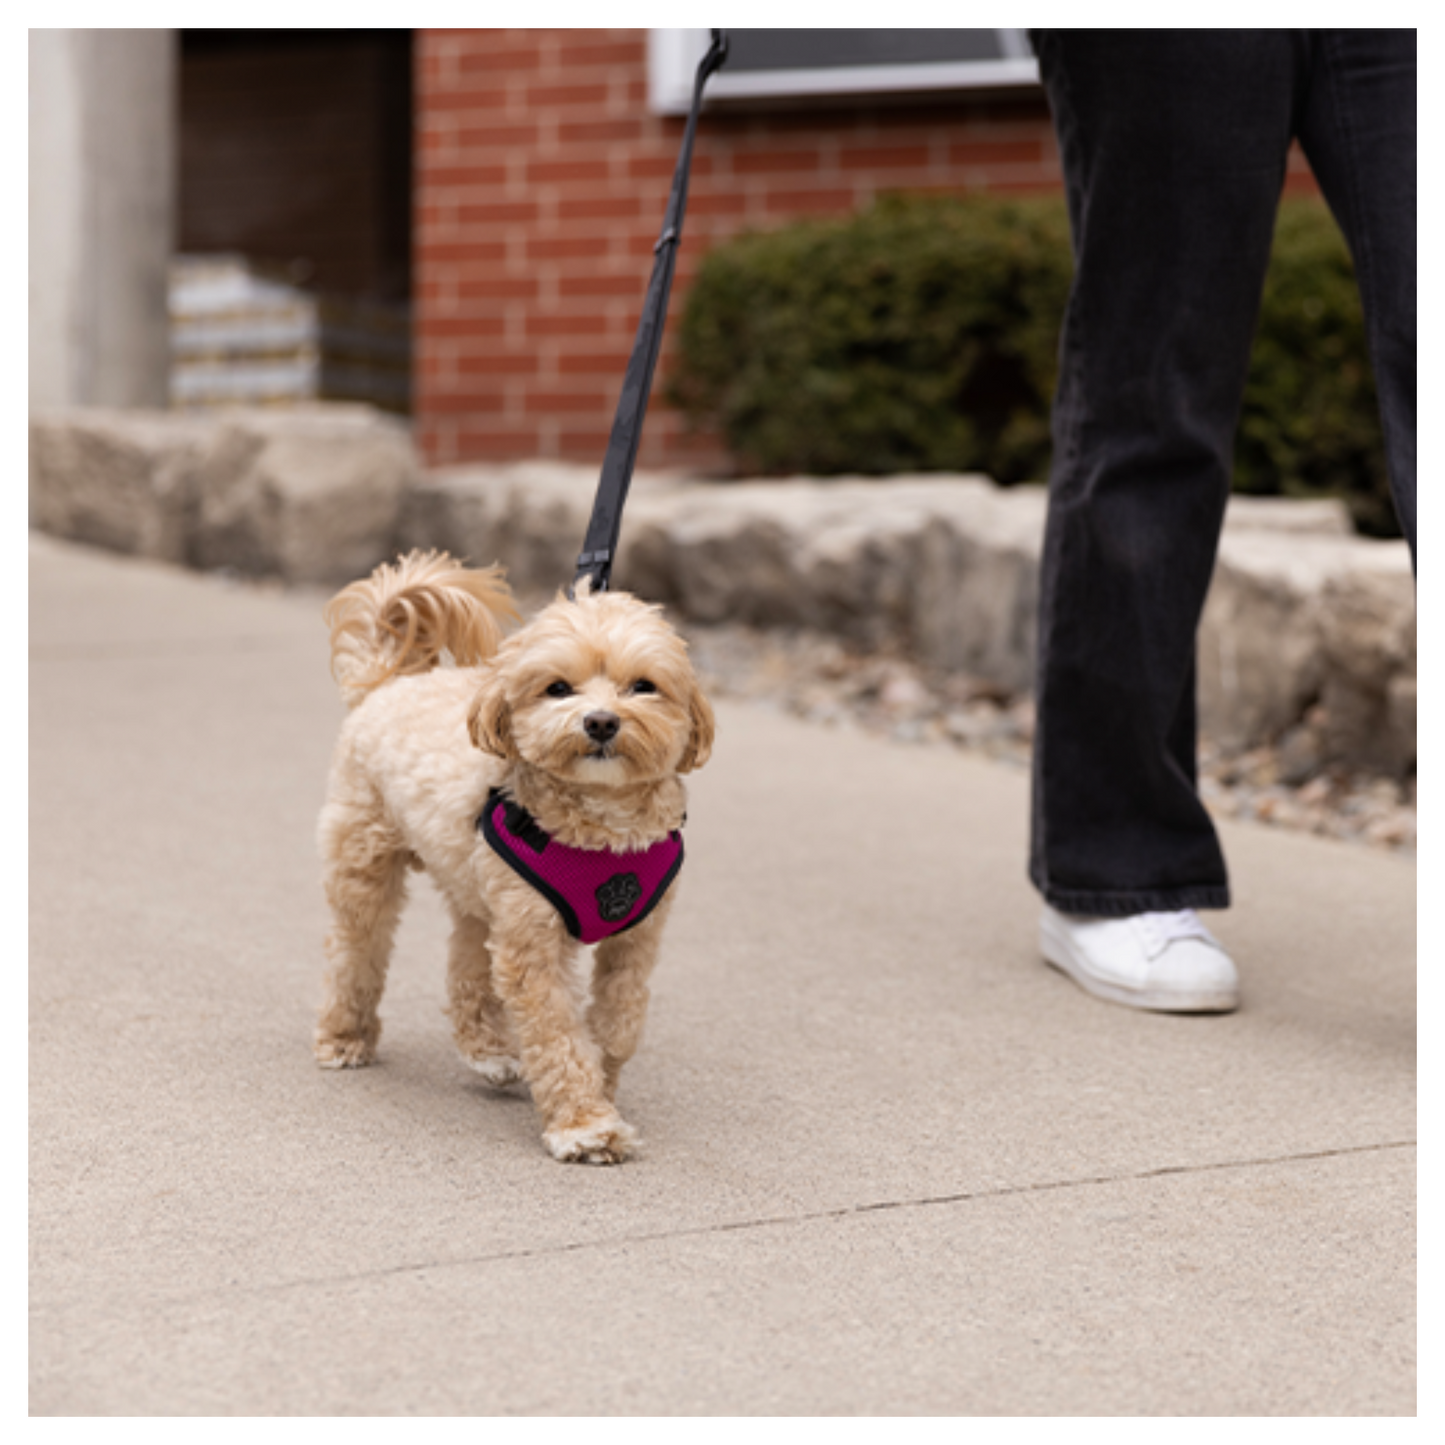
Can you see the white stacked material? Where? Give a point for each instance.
(239, 336)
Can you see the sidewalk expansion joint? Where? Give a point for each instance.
(809, 1217)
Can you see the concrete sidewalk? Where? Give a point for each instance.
(894, 1164)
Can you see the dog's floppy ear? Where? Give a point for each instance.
(489, 719)
(699, 743)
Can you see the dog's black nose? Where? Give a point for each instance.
(601, 727)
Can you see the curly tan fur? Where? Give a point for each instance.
(416, 758)
(404, 618)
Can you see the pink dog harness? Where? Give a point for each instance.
(597, 892)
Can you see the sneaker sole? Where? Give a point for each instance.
(1059, 954)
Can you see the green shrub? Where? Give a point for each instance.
(921, 335)
(917, 336)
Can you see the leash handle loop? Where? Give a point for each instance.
(600, 545)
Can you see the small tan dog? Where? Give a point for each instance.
(585, 719)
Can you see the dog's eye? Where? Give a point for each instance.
(560, 689)
(643, 685)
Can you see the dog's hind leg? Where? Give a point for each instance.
(365, 868)
(479, 1022)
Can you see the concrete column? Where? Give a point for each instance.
(102, 215)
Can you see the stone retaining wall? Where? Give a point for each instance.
(1309, 633)
(310, 495)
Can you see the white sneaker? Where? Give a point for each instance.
(1166, 961)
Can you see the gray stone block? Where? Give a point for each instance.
(529, 516)
(310, 495)
(1367, 626)
(1298, 619)
(122, 480)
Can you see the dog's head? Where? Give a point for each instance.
(595, 691)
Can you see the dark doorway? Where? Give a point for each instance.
(295, 152)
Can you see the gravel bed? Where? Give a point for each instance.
(817, 678)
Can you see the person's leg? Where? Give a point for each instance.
(1357, 126)
(1174, 145)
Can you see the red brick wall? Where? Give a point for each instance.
(541, 179)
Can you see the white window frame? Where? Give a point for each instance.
(673, 56)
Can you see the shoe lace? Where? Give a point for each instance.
(1161, 929)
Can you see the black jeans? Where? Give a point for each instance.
(1174, 146)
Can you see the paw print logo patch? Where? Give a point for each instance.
(617, 896)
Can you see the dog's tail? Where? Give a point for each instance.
(408, 614)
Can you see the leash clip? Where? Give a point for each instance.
(597, 566)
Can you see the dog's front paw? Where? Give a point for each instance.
(343, 1051)
(499, 1070)
(607, 1141)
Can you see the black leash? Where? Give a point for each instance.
(600, 545)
